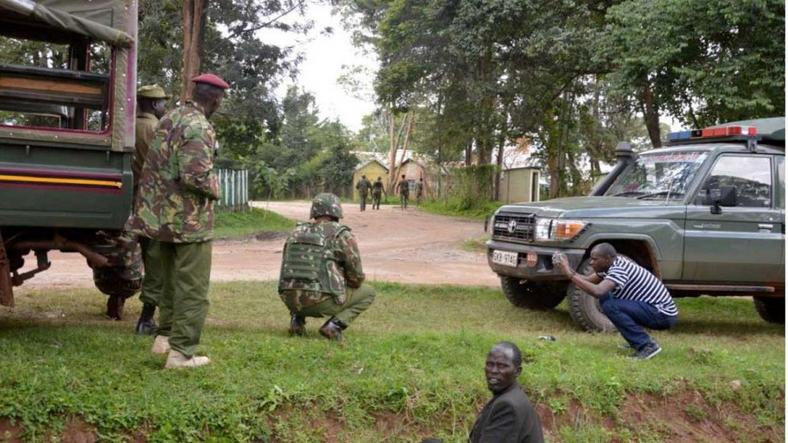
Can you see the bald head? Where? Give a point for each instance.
(605, 250)
(511, 350)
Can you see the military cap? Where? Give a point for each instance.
(152, 91)
(326, 204)
(211, 79)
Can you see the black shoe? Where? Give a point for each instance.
(146, 325)
(332, 329)
(647, 352)
(115, 305)
(297, 325)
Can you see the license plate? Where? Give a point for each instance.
(505, 258)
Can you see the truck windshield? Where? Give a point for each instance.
(660, 176)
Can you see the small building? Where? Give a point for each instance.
(372, 169)
(413, 171)
(519, 185)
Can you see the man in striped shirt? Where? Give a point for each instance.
(631, 297)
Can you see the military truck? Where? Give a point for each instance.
(706, 214)
(67, 109)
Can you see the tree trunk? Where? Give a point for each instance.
(193, 30)
(408, 121)
(651, 116)
(498, 168)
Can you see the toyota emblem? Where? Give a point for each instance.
(512, 226)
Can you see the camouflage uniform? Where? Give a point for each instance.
(404, 193)
(321, 272)
(419, 192)
(363, 186)
(174, 209)
(377, 192)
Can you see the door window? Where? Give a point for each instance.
(750, 175)
(780, 191)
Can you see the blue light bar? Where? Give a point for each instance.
(680, 135)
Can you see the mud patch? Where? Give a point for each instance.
(10, 432)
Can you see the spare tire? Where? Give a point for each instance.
(533, 295)
(585, 309)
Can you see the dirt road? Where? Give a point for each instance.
(398, 246)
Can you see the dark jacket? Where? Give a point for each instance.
(508, 417)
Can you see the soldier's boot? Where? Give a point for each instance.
(332, 329)
(115, 305)
(161, 345)
(146, 325)
(176, 360)
(297, 325)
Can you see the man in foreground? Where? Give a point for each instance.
(403, 187)
(151, 100)
(321, 273)
(362, 187)
(630, 296)
(174, 210)
(509, 415)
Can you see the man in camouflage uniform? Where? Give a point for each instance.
(419, 191)
(404, 192)
(377, 191)
(321, 272)
(151, 100)
(363, 186)
(174, 210)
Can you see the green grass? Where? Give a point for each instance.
(453, 207)
(251, 222)
(411, 366)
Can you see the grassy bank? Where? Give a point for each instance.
(410, 367)
(251, 222)
(452, 207)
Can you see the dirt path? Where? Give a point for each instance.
(398, 246)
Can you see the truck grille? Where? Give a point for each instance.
(514, 227)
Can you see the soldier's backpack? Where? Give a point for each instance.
(308, 262)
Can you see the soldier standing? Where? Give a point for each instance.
(151, 100)
(321, 272)
(377, 191)
(404, 191)
(174, 210)
(419, 191)
(363, 186)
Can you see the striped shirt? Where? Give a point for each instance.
(633, 282)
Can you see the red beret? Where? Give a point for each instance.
(211, 79)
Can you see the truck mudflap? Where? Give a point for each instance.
(6, 288)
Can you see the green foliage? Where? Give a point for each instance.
(251, 222)
(457, 208)
(414, 358)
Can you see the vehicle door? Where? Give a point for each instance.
(742, 244)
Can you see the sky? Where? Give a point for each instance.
(324, 58)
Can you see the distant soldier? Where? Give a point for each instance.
(321, 273)
(377, 192)
(419, 191)
(151, 100)
(363, 186)
(404, 191)
(174, 210)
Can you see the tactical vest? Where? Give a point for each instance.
(308, 260)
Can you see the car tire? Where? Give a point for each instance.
(770, 309)
(585, 309)
(539, 296)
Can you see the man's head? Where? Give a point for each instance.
(379, 179)
(152, 100)
(403, 176)
(326, 206)
(602, 256)
(209, 92)
(421, 180)
(503, 366)
(364, 177)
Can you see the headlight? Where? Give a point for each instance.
(567, 229)
(548, 229)
(542, 229)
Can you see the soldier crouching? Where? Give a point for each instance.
(321, 273)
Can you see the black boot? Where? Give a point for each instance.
(297, 325)
(115, 307)
(332, 329)
(146, 325)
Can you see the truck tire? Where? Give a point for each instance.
(585, 309)
(770, 309)
(532, 295)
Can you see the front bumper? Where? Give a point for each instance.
(542, 270)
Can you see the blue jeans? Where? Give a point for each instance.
(631, 316)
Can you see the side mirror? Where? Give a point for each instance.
(719, 197)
